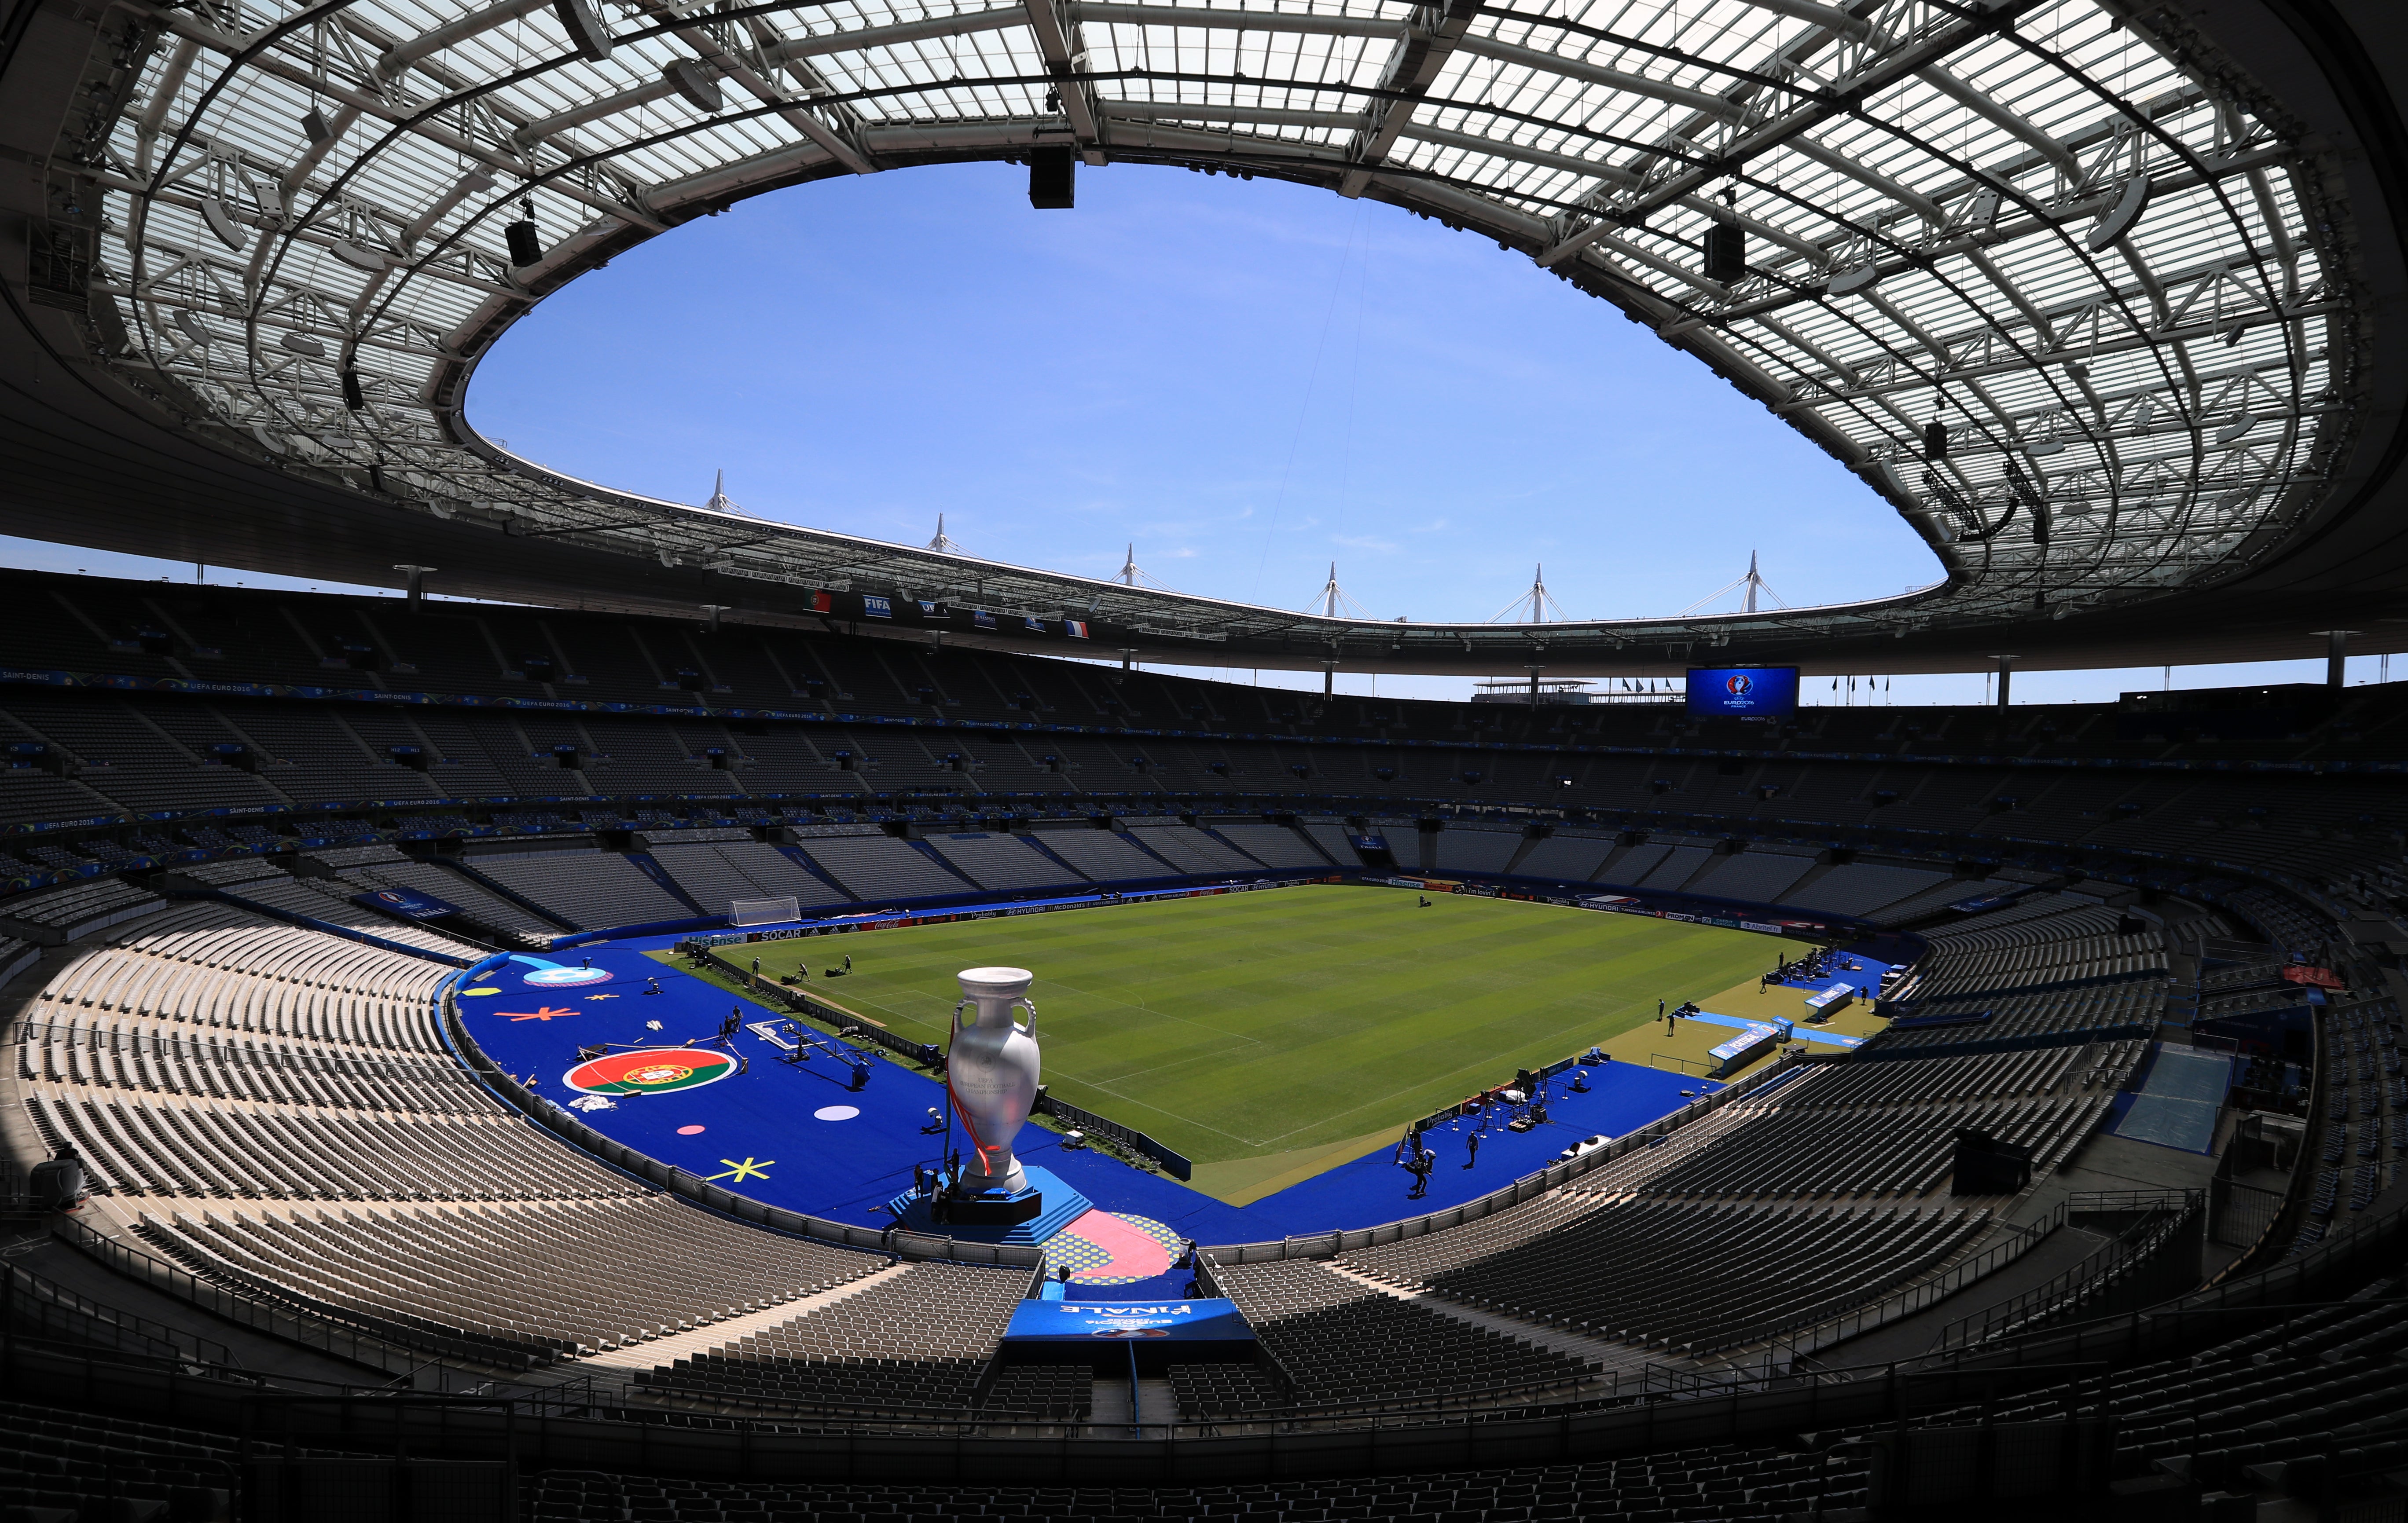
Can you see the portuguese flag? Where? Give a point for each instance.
(654, 1071)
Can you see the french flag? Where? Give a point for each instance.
(1074, 629)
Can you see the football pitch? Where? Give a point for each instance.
(1260, 1034)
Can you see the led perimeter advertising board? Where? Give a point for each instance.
(1742, 692)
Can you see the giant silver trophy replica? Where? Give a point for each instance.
(991, 1073)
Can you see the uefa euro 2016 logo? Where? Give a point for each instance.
(1738, 684)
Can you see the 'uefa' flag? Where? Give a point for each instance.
(982, 620)
(877, 608)
(822, 603)
(1037, 624)
(1074, 629)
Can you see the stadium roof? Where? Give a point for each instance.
(2146, 277)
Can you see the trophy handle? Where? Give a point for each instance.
(1030, 1005)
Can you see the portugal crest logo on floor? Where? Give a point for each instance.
(654, 1071)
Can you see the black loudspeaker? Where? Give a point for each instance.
(1935, 440)
(526, 246)
(1053, 178)
(1725, 252)
(1986, 1166)
(353, 397)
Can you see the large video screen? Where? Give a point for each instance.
(1742, 692)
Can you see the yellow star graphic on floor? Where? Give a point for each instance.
(746, 1170)
(601, 996)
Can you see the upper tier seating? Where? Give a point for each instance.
(320, 899)
(1566, 855)
(1188, 850)
(481, 903)
(877, 868)
(714, 873)
(80, 909)
(1273, 845)
(1860, 888)
(1336, 838)
(1471, 849)
(592, 891)
(1105, 856)
(1756, 877)
(1002, 862)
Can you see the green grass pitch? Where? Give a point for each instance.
(1252, 1026)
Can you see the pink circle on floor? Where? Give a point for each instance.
(689, 1132)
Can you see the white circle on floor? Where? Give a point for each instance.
(837, 1113)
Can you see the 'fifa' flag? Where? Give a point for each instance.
(822, 603)
(1074, 629)
(875, 607)
(982, 620)
(1037, 624)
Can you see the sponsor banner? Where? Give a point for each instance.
(1106, 1321)
(875, 607)
(1034, 625)
(983, 618)
(406, 903)
(1985, 902)
(931, 610)
(1759, 925)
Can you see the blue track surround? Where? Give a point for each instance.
(798, 1136)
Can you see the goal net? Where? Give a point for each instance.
(762, 911)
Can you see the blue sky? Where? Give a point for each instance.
(1249, 380)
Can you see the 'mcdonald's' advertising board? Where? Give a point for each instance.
(1195, 1321)
(1744, 693)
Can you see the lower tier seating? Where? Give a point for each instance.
(1341, 1342)
(552, 1279)
(920, 1338)
(1698, 1278)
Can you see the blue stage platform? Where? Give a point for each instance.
(797, 1135)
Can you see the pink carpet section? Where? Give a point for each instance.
(1134, 1254)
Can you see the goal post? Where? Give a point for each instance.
(762, 911)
